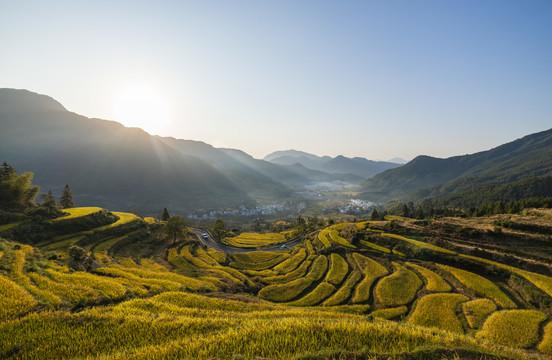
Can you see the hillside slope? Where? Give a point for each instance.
(528, 157)
(105, 163)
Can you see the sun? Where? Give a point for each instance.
(142, 107)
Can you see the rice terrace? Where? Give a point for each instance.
(108, 285)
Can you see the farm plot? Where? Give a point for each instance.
(438, 310)
(399, 288)
(254, 240)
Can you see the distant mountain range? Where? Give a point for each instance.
(519, 169)
(109, 165)
(358, 166)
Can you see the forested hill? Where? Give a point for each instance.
(527, 158)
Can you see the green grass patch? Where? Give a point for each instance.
(434, 282)
(399, 288)
(285, 292)
(438, 310)
(480, 285)
(476, 311)
(254, 240)
(514, 328)
(316, 296)
(372, 270)
(338, 269)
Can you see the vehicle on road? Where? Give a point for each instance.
(205, 236)
(284, 247)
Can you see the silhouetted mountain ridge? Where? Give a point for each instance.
(358, 166)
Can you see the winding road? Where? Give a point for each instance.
(212, 243)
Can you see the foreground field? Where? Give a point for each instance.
(403, 288)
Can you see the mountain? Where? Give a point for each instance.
(105, 163)
(427, 177)
(358, 166)
(112, 166)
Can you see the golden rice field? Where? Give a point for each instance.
(254, 240)
(324, 298)
(78, 212)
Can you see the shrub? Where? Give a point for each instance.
(514, 328)
(477, 310)
(438, 310)
(399, 288)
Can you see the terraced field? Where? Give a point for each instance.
(192, 301)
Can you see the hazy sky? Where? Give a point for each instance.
(377, 79)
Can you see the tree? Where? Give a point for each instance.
(66, 199)
(175, 227)
(16, 191)
(165, 215)
(219, 230)
(375, 215)
(49, 201)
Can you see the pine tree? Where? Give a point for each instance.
(165, 215)
(66, 200)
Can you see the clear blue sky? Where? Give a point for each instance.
(377, 79)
